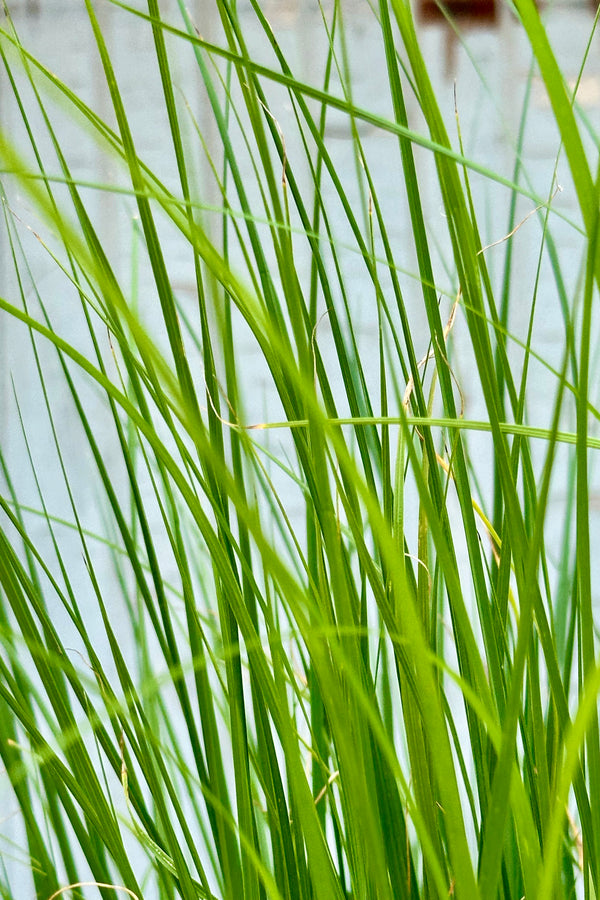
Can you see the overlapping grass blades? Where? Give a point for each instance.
(307, 657)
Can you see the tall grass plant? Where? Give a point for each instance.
(297, 579)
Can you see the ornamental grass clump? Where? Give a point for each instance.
(297, 594)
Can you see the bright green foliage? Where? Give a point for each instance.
(333, 651)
